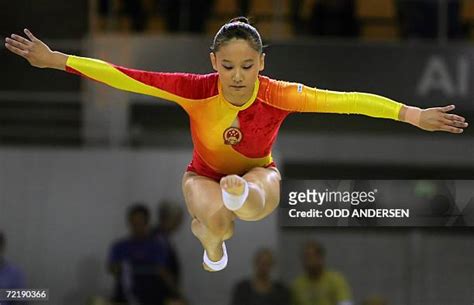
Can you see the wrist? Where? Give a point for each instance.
(412, 115)
(58, 60)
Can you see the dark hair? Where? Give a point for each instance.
(139, 208)
(238, 28)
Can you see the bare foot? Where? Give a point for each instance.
(233, 184)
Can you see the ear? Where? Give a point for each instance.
(213, 58)
(262, 62)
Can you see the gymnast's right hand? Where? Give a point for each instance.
(36, 52)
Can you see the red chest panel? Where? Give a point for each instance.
(259, 125)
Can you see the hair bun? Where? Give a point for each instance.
(239, 19)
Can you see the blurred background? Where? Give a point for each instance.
(84, 169)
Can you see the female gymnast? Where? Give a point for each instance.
(235, 114)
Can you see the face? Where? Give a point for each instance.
(238, 65)
(264, 263)
(312, 259)
(138, 225)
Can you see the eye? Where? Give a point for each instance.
(227, 68)
(248, 67)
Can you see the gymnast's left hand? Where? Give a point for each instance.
(435, 119)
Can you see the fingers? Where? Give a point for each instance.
(21, 39)
(17, 44)
(451, 129)
(454, 117)
(30, 35)
(16, 50)
(454, 123)
(447, 108)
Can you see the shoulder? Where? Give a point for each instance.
(11, 268)
(120, 243)
(280, 93)
(198, 86)
(269, 83)
(243, 284)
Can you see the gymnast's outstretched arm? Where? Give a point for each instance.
(299, 98)
(168, 86)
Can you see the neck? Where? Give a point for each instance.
(262, 278)
(262, 283)
(315, 274)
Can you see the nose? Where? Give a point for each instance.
(237, 77)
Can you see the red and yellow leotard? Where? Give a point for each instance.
(219, 148)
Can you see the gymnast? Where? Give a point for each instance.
(235, 114)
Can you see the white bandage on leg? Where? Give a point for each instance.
(235, 202)
(220, 264)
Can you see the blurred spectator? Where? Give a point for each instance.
(136, 262)
(261, 289)
(11, 276)
(170, 217)
(319, 286)
(333, 18)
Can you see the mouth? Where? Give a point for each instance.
(238, 87)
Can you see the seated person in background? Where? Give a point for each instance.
(170, 218)
(318, 286)
(261, 290)
(136, 262)
(11, 276)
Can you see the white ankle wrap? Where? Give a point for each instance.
(220, 264)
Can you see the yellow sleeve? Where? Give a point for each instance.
(168, 86)
(300, 98)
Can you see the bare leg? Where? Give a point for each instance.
(212, 222)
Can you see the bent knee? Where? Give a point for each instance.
(219, 223)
